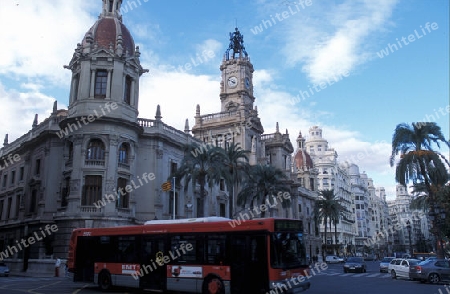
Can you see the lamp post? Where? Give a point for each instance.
(408, 227)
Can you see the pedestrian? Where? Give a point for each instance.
(57, 265)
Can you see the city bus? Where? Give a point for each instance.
(209, 255)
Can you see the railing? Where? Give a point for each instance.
(146, 123)
(97, 162)
(124, 165)
(218, 115)
(267, 137)
(90, 209)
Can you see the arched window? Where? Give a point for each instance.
(95, 153)
(100, 84)
(127, 91)
(124, 152)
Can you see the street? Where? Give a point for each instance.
(331, 281)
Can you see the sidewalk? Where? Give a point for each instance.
(39, 275)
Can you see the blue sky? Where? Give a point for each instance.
(341, 65)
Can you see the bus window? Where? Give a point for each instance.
(216, 250)
(126, 249)
(287, 250)
(193, 256)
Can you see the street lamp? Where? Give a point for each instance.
(408, 227)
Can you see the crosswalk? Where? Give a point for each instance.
(355, 275)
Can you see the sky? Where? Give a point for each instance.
(354, 68)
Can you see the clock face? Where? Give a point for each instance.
(247, 83)
(232, 82)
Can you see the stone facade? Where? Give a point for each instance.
(97, 164)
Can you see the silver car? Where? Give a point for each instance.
(384, 264)
(433, 271)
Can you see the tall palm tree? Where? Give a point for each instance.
(327, 209)
(261, 182)
(418, 162)
(201, 165)
(236, 165)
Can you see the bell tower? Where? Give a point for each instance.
(237, 75)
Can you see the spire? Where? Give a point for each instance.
(237, 45)
(111, 8)
(186, 126)
(5, 142)
(35, 121)
(55, 106)
(158, 113)
(277, 128)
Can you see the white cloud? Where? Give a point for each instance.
(19, 109)
(43, 30)
(328, 46)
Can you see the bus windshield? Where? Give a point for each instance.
(287, 250)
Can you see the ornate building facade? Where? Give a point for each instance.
(97, 164)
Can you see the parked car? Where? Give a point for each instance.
(432, 270)
(369, 257)
(399, 267)
(384, 264)
(333, 259)
(4, 269)
(355, 264)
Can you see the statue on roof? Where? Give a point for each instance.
(236, 44)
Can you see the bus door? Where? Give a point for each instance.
(153, 268)
(249, 264)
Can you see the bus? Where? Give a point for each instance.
(211, 255)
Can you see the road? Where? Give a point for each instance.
(330, 281)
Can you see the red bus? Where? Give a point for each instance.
(205, 255)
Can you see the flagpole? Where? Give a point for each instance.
(173, 187)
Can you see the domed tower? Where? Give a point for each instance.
(304, 165)
(101, 131)
(106, 68)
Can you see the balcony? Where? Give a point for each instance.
(94, 162)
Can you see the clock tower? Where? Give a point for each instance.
(237, 121)
(237, 76)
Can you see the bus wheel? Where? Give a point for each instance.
(213, 285)
(104, 281)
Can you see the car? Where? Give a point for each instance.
(399, 267)
(333, 259)
(432, 270)
(370, 257)
(355, 264)
(4, 269)
(384, 264)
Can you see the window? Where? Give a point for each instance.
(192, 256)
(21, 173)
(33, 202)
(92, 190)
(13, 176)
(319, 147)
(222, 210)
(171, 203)
(65, 192)
(123, 153)
(100, 84)
(126, 248)
(17, 205)
(70, 151)
(37, 170)
(96, 150)
(1, 209)
(5, 179)
(123, 196)
(8, 212)
(222, 184)
(173, 167)
(110, 6)
(127, 92)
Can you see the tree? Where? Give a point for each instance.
(201, 166)
(236, 165)
(327, 209)
(261, 182)
(419, 163)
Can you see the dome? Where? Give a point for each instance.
(110, 33)
(302, 160)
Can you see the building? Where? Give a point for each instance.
(97, 164)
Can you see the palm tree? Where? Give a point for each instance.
(201, 165)
(261, 182)
(327, 209)
(236, 164)
(418, 162)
